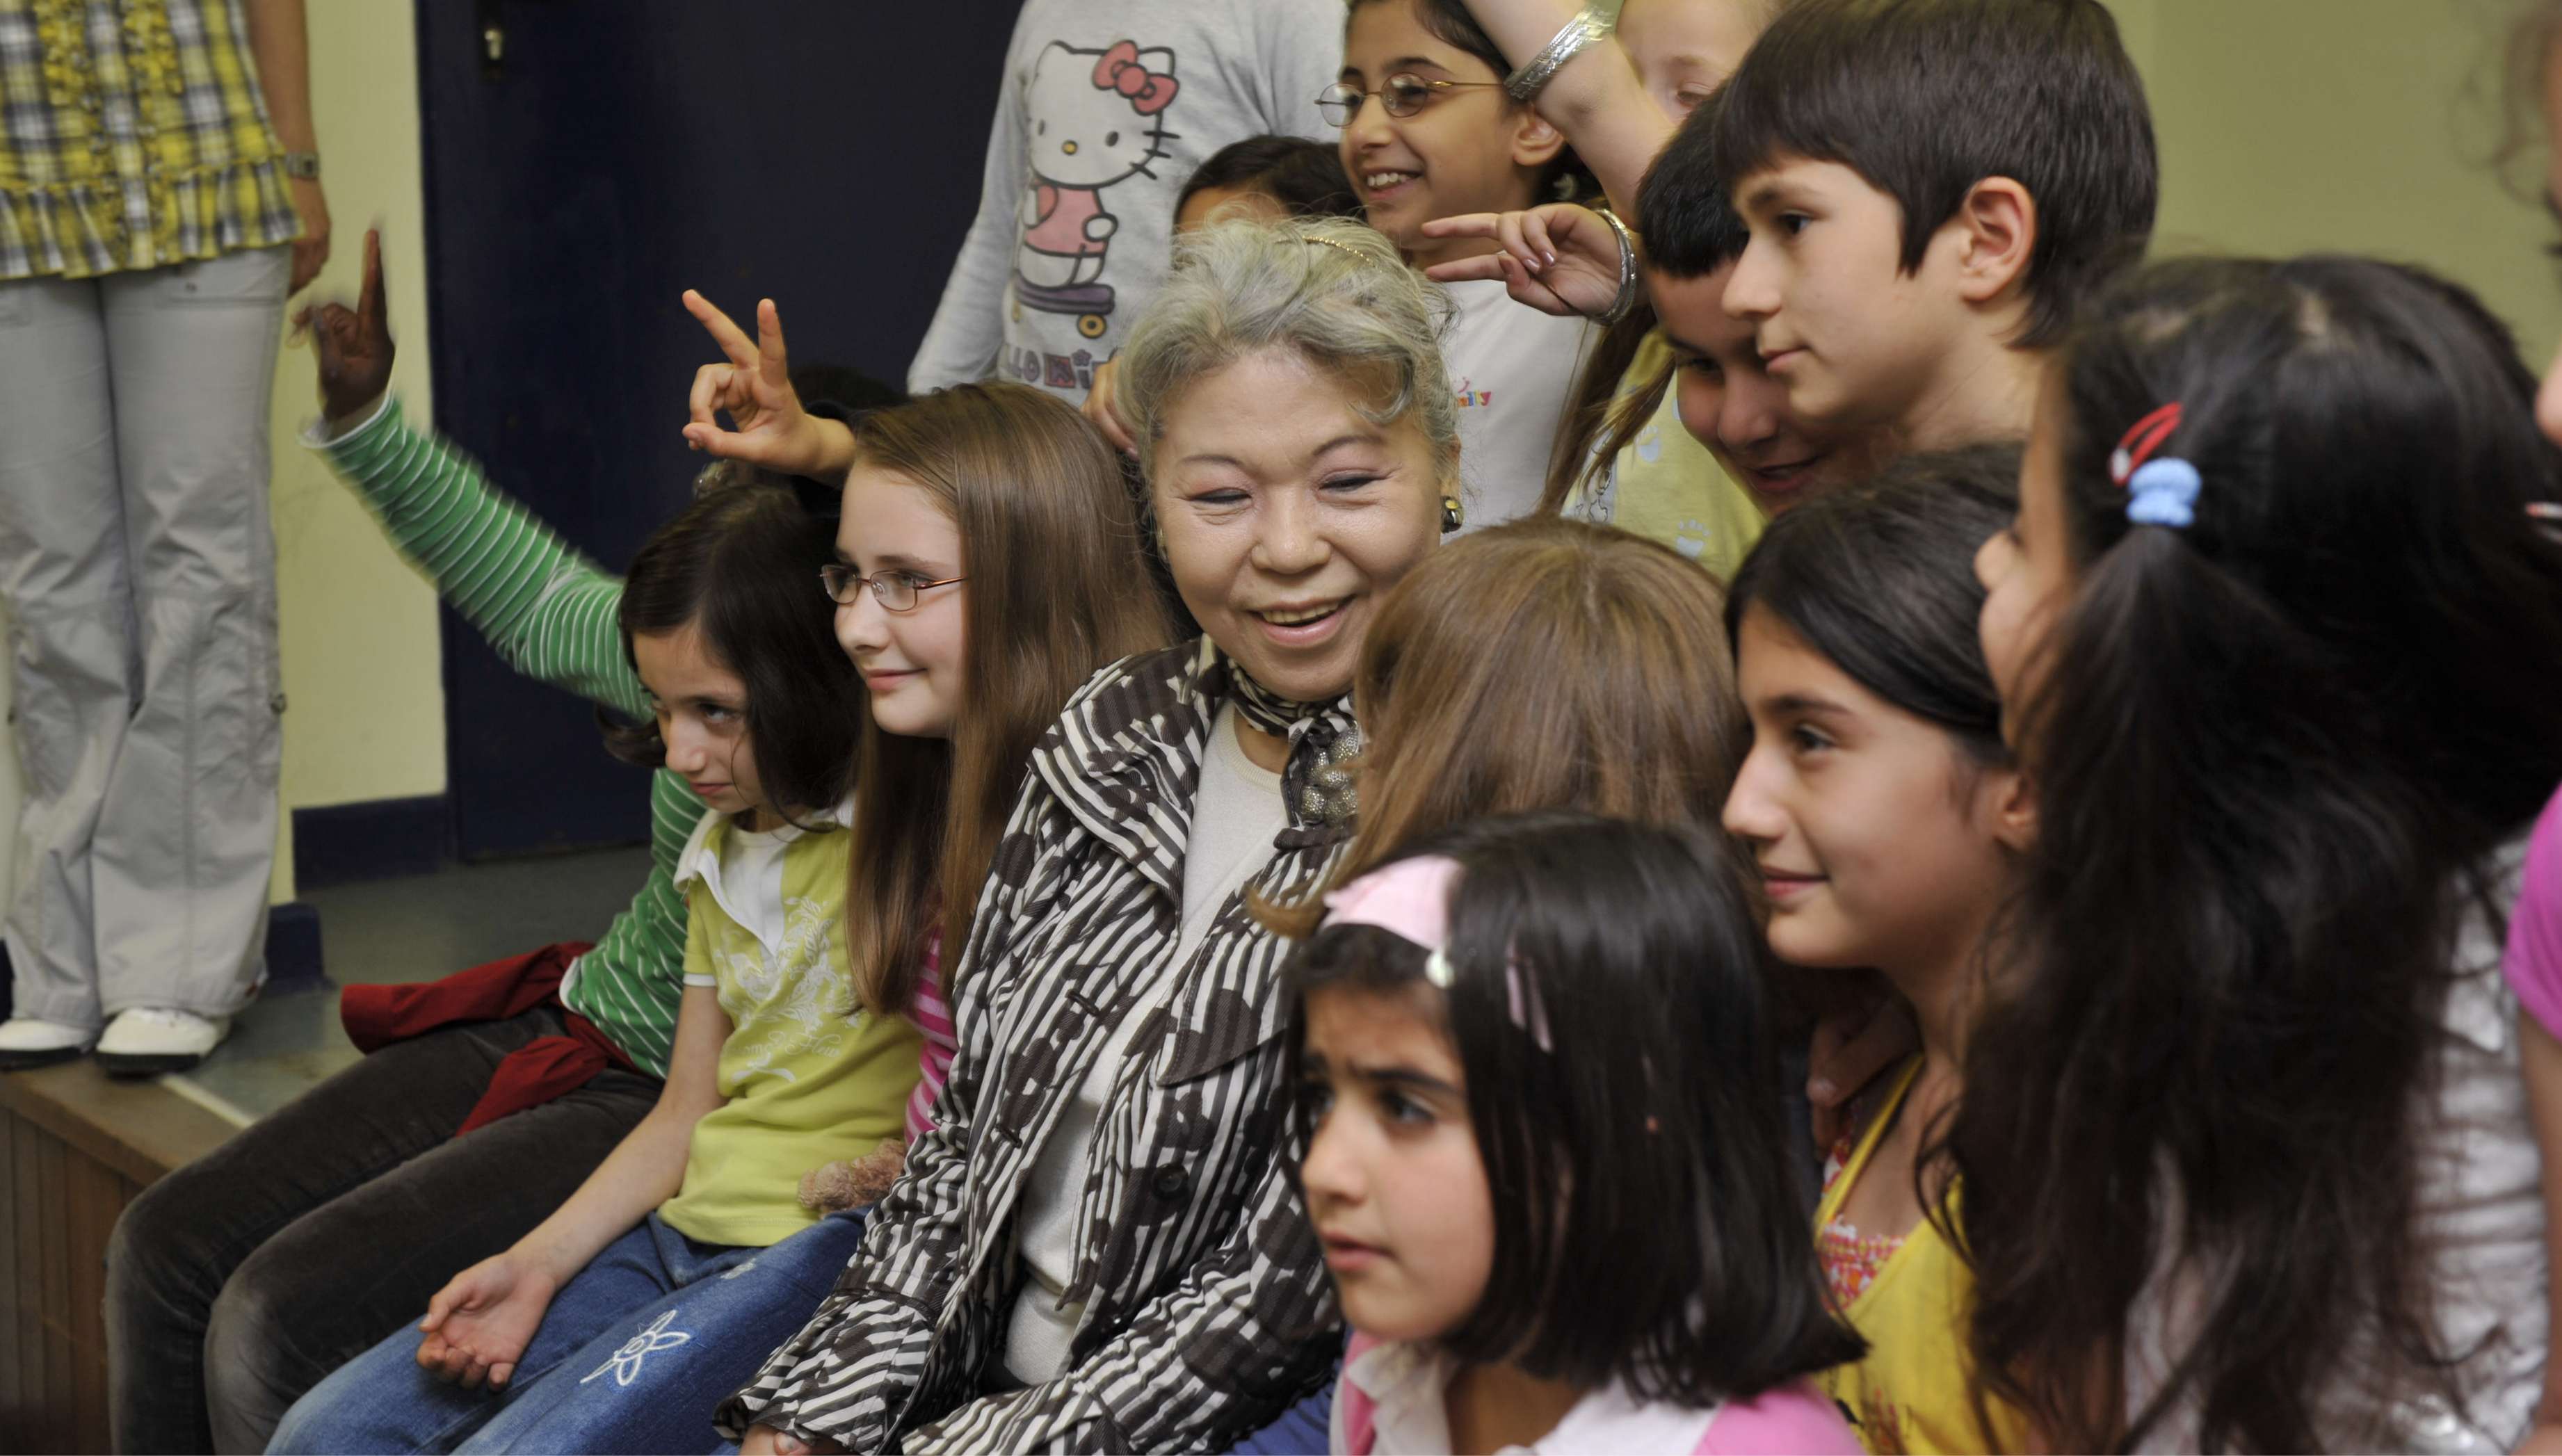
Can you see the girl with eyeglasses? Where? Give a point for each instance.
(1427, 133)
(813, 1032)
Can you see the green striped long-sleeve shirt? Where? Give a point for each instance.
(550, 613)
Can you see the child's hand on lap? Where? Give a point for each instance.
(480, 1324)
(1558, 259)
(755, 387)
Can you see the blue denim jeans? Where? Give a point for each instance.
(1304, 1429)
(632, 1354)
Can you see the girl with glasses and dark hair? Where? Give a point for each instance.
(1427, 132)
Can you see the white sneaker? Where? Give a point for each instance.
(27, 1043)
(150, 1039)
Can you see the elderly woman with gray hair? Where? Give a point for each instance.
(1100, 1246)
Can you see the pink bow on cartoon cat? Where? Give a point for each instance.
(1121, 70)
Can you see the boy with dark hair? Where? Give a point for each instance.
(1867, 240)
(1726, 399)
(1928, 189)
(1568, 262)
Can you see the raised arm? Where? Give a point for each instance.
(752, 386)
(1595, 99)
(545, 608)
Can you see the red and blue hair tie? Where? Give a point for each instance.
(2160, 491)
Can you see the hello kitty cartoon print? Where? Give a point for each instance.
(1096, 117)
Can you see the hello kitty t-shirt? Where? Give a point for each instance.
(1108, 106)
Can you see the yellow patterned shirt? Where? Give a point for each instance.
(1665, 485)
(133, 136)
(809, 1078)
(1908, 1297)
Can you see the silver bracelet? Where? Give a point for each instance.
(1627, 302)
(1588, 25)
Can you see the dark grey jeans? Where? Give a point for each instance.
(238, 1282)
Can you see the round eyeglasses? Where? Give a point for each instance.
(894, 590)
(1401, 95)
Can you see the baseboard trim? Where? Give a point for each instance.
(375, 838)
(294, 960)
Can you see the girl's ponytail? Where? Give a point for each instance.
(2276, 732)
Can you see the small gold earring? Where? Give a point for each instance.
(1452, 515)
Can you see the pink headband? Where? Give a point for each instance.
(1410, 898)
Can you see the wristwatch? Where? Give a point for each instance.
(306, 165)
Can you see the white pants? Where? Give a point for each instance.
(141, 577)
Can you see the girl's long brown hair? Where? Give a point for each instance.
(1057, 589)
(1541, 664)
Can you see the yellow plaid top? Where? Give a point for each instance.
(133, 136)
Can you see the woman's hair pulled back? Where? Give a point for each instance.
(1332, 292)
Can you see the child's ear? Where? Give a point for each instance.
(2014, 810)
(1535, 142)
(1998, 226)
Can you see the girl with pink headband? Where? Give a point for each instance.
(1545, 1151)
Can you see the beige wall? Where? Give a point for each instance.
(2346, 125)
(361, 665)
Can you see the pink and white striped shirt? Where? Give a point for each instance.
(934, 1059)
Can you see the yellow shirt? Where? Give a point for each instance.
(135, 137)
(1910, 1392)
(1666, 485)
(811, 1077)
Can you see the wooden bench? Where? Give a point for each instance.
(76, 1146)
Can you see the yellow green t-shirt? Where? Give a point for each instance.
(1911, 1391)
(1666, 485)
(808, 1075)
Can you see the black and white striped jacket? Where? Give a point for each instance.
(1209, 1307)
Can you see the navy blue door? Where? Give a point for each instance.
(587, 161)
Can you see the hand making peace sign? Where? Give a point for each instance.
(754, 387)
